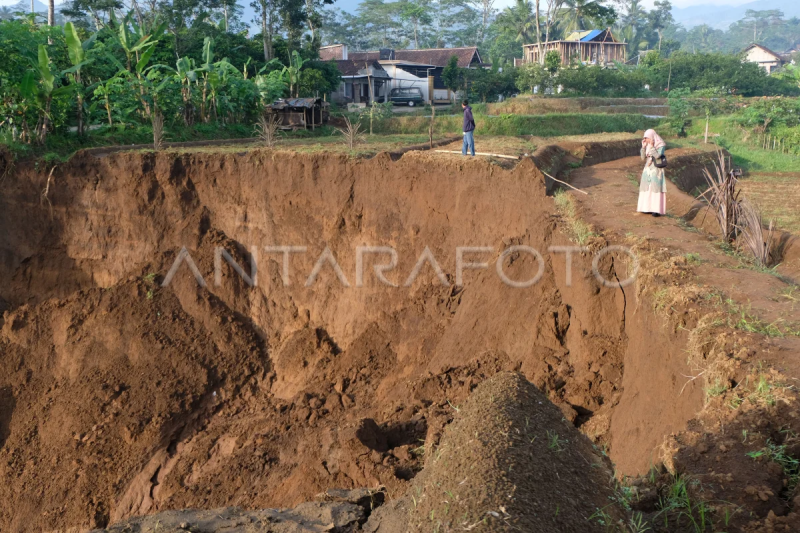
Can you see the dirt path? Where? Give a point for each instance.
(611, 205)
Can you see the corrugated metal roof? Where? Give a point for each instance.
(583, 35)
(592, 34)
(307, 103)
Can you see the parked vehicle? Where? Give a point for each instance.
(409, 96)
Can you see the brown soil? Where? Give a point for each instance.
(120, 397)
(511, 462)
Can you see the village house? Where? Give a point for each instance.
(593, 47)
(390, 69)
(763, 56)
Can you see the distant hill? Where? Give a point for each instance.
(25, 6)
(721, 17)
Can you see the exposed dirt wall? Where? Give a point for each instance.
(130, 398)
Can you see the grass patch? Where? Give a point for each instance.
(747, 261)
(680, 508)
(762, 389)
(579, 231)
(777, 454)
(61, 145)
(693, 258)
(742, 145)
(539, 125)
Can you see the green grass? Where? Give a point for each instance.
(742, 318)
(777, 454)
(679, 507)
(762, 390)
(693, 258)
(745, 154)
(552, 125)
(61, 145)
(579, 231)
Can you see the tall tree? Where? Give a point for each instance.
(268, 17)
(416, 14)
(486, 9)
(519, 21)
(761, 19)
(660, 18)
(551, 18)
(577, 15)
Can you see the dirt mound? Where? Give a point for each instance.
(510, 462)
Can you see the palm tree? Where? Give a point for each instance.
(635, 15)
(573, 16)
(51, 13)
(519, 20)
(578, 14)
(6, 13)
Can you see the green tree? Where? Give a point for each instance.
(77, 56)
(453, 75)
(579, 15)
(518, 21)
(416, 14)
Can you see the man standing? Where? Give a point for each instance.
(469, 129)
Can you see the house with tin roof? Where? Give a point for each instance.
(421, 69)
(592, 47)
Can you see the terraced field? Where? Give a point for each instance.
(778, 195)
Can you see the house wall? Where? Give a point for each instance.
(591, 52)
(764, 59)
(356, 91)
(402, 78)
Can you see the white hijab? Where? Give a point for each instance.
(658, 142)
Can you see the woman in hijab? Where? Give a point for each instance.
(653, 186)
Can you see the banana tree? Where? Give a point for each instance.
(77, 56)
(105, 89)
(215, 76)
(138, 43)
(186, 73)
(293, 73)
(43, 90)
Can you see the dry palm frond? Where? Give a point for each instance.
(753, 235)
(158, 130)
(267, 130)
(722, 196)
(352, 133)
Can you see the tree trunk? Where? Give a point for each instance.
(265, 34)
(539, 36)
(51, 12)
(80, 115)
(108, 110)
(225, 11)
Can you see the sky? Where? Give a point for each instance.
(504, 3)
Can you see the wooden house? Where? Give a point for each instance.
(593, 47)
(295, 113)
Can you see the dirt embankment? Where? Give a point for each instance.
(558, 160)
(123, 397)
